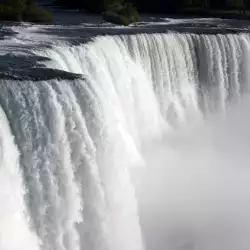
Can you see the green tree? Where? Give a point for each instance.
(236, 4)
(116, 6)
(23, 10)
(205, 4)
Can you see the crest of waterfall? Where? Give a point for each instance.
(68, 146)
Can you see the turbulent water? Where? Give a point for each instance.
(146, 148)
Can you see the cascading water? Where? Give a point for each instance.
(121, 158)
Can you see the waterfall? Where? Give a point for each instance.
(72, 150)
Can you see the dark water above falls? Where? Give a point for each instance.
(131, 138)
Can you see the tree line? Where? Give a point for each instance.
(166, 6)
(217, 4)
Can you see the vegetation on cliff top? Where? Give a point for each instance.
(199, 7)
(215, 6)
(23, 10)
(121, 13)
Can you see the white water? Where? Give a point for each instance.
(150, 151)
(12, 211)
